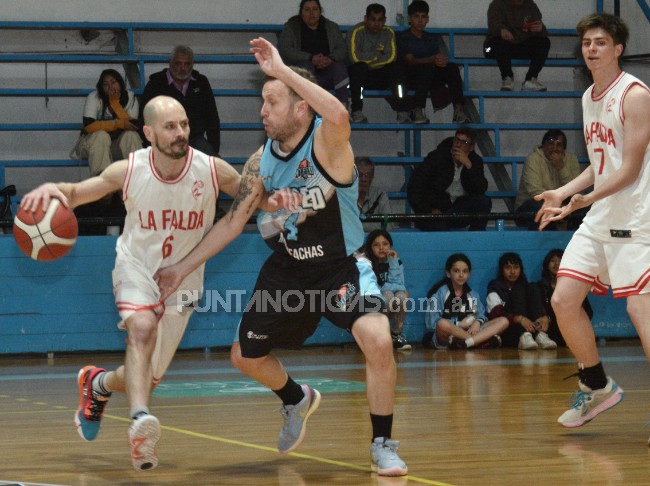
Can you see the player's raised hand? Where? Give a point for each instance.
(42, 195)
(266, 55)
(285, 198)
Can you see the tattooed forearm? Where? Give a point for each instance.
(250, 187)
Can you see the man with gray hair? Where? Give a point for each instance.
(193, 91)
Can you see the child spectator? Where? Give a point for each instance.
(390, 275)
(510, 296)
(546, 287)
(456, 316)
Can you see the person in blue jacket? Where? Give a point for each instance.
(390, 276)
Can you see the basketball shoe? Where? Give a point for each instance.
(144, 433)
(295, 420)
(588, 403)
(88, 417)
(385, 460)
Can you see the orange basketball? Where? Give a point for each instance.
(46, 235)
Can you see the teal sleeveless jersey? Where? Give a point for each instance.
(327, 226)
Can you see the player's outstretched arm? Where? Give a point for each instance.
(333, 136)
(77, 193)
(249, 194)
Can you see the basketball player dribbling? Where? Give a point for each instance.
(612, 246)
(170, 192)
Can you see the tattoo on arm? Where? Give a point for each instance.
(249, 180)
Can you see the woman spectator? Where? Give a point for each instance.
(315, 43)
(110, 130)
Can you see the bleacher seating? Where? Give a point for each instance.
(140, 60)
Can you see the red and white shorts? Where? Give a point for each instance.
(624, 266)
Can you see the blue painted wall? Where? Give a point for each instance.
(68, 305)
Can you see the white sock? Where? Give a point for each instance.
(469, 342)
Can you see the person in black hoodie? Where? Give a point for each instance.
(450, 180)
(511, 296)
(192, 90)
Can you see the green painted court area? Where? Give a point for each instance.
(181, 389)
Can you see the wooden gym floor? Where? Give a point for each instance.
(464, 418)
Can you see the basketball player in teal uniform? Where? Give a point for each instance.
(315, 262)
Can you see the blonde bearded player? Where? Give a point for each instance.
(170, 193)
(612, 246)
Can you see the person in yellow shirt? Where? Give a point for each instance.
(548, 167)
(373, 55)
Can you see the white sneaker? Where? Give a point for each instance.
(507, 84)
(358, 117)
(532, 85)
(544, 341)
(418, 116)
(526, 341)
(144, 433)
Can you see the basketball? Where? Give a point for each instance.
(46, 235)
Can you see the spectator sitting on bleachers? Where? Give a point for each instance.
(516, 30)
(193, 91)
(428, 69)
(548, 167)
(311, 41)
(371, 200)
(110, 127)
(373, 54)
(450, 180)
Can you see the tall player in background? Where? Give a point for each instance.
(612, 246)
(170, 193)
(315, 260)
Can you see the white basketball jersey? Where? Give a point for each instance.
(626, 214)
(166, 219)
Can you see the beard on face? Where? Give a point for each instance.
(180, 76)
(284, 131)
(179, 153)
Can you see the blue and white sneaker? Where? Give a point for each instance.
(588, 403)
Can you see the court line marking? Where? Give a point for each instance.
(352, 366)
(273, 450)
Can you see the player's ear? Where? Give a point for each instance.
(618, 49)
(302, 107)
(148, 132)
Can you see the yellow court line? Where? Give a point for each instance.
(275, 451)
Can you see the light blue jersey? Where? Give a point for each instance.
(327, 226)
